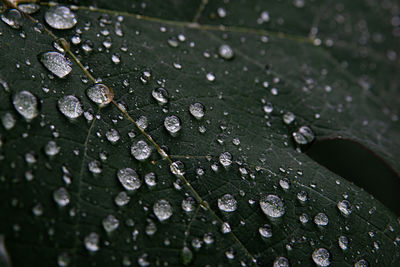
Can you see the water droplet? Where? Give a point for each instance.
(302, 196)
(95, 167)
(92, 242)
(8, 121)
(160, 95)
(227, 203)
(321, 257)
(162, 209)
(288, 117)
(188, 204)
(12, 17)
(272, 206)
(122, 199)
(281, 262)
(343, 242)
(225, 228)
(61, 197)
(100, 94)
(110, 223)
(177, 168)
(186, 255)
(304, 135)
(56, 63)
(70, 106)
(37, 210)
(210, 76)
(345, 207)
(150, 179)
(321, 219)
(265, 231)
(284, 183)
(303, 218)
(361, 263)
(112, 136)
(51, 149)
(63, 260)
(129, 179)
(226, 52)
(29, 8)
(225, 159)
(141, 150)
(197, 110)
(142, 122)
(60, 18)
(172, 124)
(26, 104)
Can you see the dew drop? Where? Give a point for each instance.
(172, 124)
(302, 196)
(281, 262)
(303, 218)
(60, 18)
(56, 63)
(265, 231)
(110, 223)
(141, 150)
(188, 204)
(70, 106)
(344, 207)
(129, 179)
(225, 51)
(272, 206)
(162, 209)
(61, 197)
(92, 242)
(227, 203)
(100, 94)
(26, 104)
(12, 17)
(37, 210)
(160, 95)
(197, 110)
(321, 257)
(321, 219)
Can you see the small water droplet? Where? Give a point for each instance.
(160, 95)
(70, 106)
(51, 149)
(129, 179)
(265, 231)
(56, 63)
(12, 17)
(26, 104)
(100, 94)
(95, 167)
(225, 228)
(197, 110)
(302, 196)
(61, 197)
(150, 179)
(272, 206)
(60, 18)
(29, 8)
(227, 203)
(122, 199)
(304, 135)
(110, 223)
(345, 207)
(37, 210)
(63, 260)
(321, 219)
(172, 124)
(288, 117)
(343, 242)
(281, 262)
(186, 255)
(321, 257)
(141, 150)
(188, 204)
(162, 209)
(8, 121)
(92, 242)
(226, 52)
(210, 76)
(361, 263)
(112, 136)
(225, 159)
(177, 168)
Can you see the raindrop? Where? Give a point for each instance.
(141, 150)
(92, 242)
(26, 104)
(227, 203)
(110, 223)
(321, 219)
(172, 124)
(265, 231)
(100, 94)
(61, 197)
(60, 18)
(284, 183)
(116, 58)
(281, 262)
(321, 257)
(70, 106)
(129, 179)
(162, 209)
(197, 110)
(272, 206)
(345, 207)
(302, 196)
(225, 51)
(12, 17)
(56, 63)
(303, 218)
(225, 159)
(304, 135)
(160, 95)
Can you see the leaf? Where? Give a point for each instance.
(340, 79)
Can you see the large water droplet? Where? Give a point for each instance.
(225, 51)
(160, 95)
(272, 206)
(345, 207)
(110, 223)
(122, 199)
(12, 17)
(8, 121)
(361, 263)
(225, 159)
(92, 242)
(321, 219)
(162, 209)
(51, 149)
(227, 203)
(61, 197)
(172, 124)
(112, 136)
(100, 94)
(29, 8)
(56, 63)
(197, 110)
(343, 242)
(141, 150)
(129, 179)
(70, 106)
(321, 257)
(26, 104)
(60, 18)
